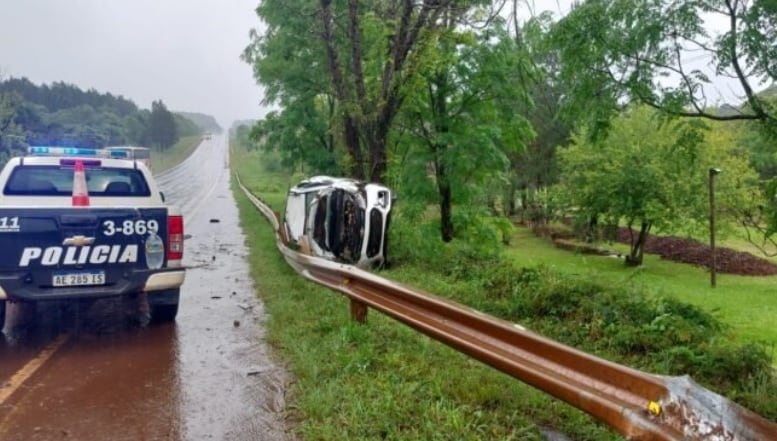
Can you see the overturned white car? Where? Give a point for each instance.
(340, 219)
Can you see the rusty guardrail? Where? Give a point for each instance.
(638, 405)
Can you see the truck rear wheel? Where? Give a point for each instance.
(163, 305)
(163, 313)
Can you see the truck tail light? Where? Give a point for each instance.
(174, 237)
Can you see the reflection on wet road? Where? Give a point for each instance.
(88, 372)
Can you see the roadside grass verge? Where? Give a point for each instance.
(382, 380)
(162, 160)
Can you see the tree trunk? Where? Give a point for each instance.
(354, 148)
(446, 215)
(350, 125)
(636, 255)
(377, 148)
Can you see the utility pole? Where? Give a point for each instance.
(713, 172)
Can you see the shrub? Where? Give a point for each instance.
(418, 243)
(625, 323)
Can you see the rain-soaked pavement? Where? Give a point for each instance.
(79, 372)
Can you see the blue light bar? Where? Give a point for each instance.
(76, 151)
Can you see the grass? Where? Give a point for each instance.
(385, 381)
(382, 381)
(747, 304)
(162, 160)
(739, 242)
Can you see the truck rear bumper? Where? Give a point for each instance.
(166, 280)
(18, 286)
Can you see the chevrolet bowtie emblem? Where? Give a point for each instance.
(78, 241)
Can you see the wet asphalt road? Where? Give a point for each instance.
(77, 372)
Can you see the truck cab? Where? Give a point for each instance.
(87, 224)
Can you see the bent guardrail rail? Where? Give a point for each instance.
(638, 405)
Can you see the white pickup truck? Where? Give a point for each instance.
(86, 224)
(340, 219)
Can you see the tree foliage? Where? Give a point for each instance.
(289, 61)
(649, 172)
(162, 131)
(12, 134)
(429, 95)
(61, 96)
(535, 168)
(63, 114)
(300, 134)
(361, 54)
(201, 121)
(461, 118)
(666, 54)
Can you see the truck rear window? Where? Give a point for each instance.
(38, 180)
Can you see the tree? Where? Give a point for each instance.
(535, 168)
(760, 140)
(290, 61)
(651, 52)
(185, 126)
(12, 135)
(302, 136)
(371, 50)
(162, 129)
(60, 96)
(760, 218)
(62, 114)
(462, 117)
(649, 172)
(83, 126)
(136, 127)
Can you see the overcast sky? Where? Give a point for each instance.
(184, 52)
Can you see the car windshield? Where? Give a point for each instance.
(58, 181)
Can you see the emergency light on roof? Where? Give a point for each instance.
(77, 151)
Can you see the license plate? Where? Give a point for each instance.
(79, 278)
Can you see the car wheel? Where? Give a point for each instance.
(163, 313)
(163, 305)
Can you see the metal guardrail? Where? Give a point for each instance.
(638, 405)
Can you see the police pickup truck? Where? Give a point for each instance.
(87, 224)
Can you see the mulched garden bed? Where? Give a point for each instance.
(678, 249)
(672, 248)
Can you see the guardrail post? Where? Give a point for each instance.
(358, 311)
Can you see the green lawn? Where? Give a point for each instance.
(747, 304)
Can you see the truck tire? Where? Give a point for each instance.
(2, 315)
(163, 305)
(164, 313)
